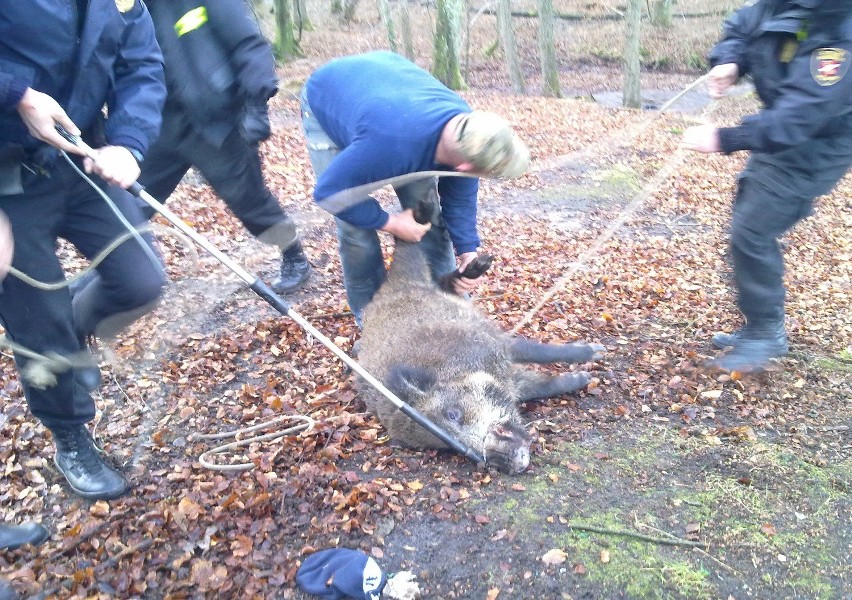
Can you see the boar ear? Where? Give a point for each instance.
(408, 380)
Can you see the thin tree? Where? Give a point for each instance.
(405, 25)
(633, 25)
(510, 48)
(446, 65)
(302, 21)
(661, 15)
(547, 50)
(285, 47)
(387, 19)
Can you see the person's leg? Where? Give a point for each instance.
(164, 167)
(360, 251)
(436, 243)
(130, 279)
(42, 321)
(363, 265)
(760, 217)
(235, 173)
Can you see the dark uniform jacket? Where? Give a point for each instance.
(217, 62)
(798, 53)
(114, 60)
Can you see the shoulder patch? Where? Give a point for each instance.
(124, 6)
(829, 65)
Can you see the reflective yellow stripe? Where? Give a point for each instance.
(191, 20)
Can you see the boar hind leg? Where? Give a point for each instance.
(531, 386)
(529, 351)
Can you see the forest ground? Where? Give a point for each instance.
(662, 480)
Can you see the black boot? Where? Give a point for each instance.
(15, 536)
(753, 346)
(83, 468)
(295, 270)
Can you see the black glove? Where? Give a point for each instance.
(254, 126)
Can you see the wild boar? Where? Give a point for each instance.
(439, 354)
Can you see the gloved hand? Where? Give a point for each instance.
(254, 126)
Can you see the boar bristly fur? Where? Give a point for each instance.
(436, 352)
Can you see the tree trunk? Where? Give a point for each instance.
(547, 50)
(336, 6)
(510, 49)
(405, 23)
(632, 86)
(387, 19)
(662, 13)
(349, 7)
(447, 67)
(300, 11)
(285, 46)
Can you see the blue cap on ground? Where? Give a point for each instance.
(338, 573)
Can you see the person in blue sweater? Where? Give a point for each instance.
(62, 62)
(798, 52)
(375, 116)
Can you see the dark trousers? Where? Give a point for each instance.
(234, 171)
(65, 206)
(775, 192)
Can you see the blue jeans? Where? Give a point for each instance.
(360, 250)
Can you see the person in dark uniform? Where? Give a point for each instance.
(220, 74)
(14, 536)
(798, 53)
(61, 62)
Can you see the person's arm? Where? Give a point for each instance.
(807, 103)
(135, 103)
(736, 32)
(458, 211)
(253, 63)
(139, 90)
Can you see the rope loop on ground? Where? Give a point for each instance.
(306, 423)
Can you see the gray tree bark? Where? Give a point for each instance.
(661, 16)
(632, 64)
(300, 13)
(446, 64)
(285, 47)
(510, 48)
(547, 50)
(387, 19)
(405, 25)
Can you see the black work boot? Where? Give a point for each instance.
(752, 346)
(15, 536)
(85, 471)
(295, 270)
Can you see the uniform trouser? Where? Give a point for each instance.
(776, 191)
(360, 249)
(65, 206)
(234, 171)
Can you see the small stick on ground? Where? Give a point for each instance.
(638, 536)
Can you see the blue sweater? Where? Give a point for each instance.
(386, 115)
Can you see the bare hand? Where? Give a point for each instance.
(7, 245)
(40, 114)
(462, 285)
(702, 138)
(404, 226)
(721, 78)
(114, 164)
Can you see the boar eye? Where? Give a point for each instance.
(454, 414)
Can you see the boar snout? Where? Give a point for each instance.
(507, 447)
